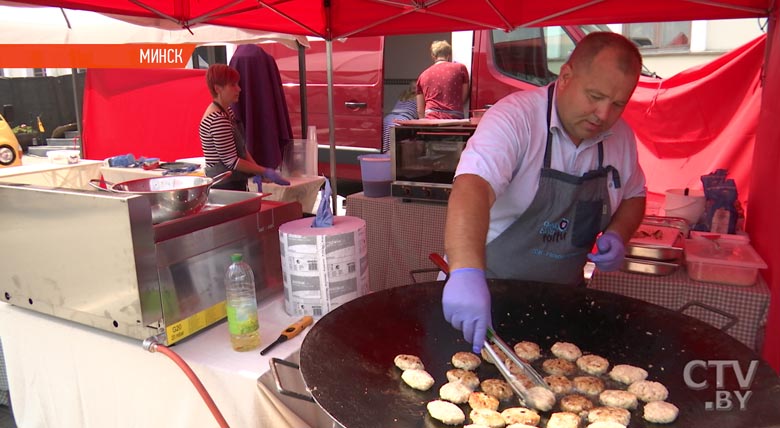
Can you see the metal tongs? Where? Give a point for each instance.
(524, 368)
(492, 338)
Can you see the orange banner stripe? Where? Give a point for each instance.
(150, 55)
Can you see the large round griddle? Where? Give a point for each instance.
(347, 358)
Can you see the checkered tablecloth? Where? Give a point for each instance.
(717, 304)
(400, 237)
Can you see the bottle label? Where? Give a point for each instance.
(720, 221)
(242, 318)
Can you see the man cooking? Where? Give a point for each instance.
(545, 172)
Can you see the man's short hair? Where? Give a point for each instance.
(629, 58)
(440, 48)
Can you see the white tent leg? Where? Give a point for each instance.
(332, 127)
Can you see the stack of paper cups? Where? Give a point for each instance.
(311, 152)
(323, 267)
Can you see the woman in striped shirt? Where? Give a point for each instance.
(221, 138)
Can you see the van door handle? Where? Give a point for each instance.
(354, 105)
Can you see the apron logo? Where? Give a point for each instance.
(554, 232)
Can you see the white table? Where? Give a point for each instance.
(301, 189)
(65, 374)
(41, 172)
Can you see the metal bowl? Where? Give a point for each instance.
(169, 197)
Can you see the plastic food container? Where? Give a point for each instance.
(63, 157)
(723, 261)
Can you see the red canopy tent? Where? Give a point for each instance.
(342, 18)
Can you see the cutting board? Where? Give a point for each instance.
(655, 235)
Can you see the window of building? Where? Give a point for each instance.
(203, 56)
(660, 35)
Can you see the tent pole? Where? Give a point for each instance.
(332, 127)
(73, 72)
(302, 88)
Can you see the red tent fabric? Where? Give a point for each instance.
(342, 18)
(700, 120)
(114, 117)
(764, 204)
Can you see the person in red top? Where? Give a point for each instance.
(442, 88)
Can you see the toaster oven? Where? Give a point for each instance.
(424, 159)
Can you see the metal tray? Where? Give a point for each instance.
(649, 267)
(654, 252)
(676, 222)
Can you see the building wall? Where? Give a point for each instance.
(709, 40)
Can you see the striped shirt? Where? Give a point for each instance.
(216, 139)
(403, 110)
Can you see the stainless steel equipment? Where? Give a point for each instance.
(169, 197)
(97, 259)
(424, 159)
(657, 246)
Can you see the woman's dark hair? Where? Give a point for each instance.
(220, 75)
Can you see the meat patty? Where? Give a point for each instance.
(497, 388)
(593, 364)
(649, 391)
(588, 385)
(627, 374)
(418, 379)
(576, 403)
(466, 361)
(564, 420)
(618, 398)
(660, 412)
(408, 362)
(558, 366)
(487, 417)
(609, 414)
(529, 351)
(465, 377)
(480, 400)
(567, 351)
(446, 412)
(520, 415)
(454, 392)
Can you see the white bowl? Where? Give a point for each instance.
(63, 157)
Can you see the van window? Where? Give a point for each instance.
(523, 54)
(559, 47)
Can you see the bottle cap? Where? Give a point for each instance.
(236, 257)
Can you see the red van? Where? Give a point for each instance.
(370, 72)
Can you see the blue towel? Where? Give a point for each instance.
(324, 217)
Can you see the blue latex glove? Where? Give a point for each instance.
(466, 303)
(612, 251)
(271, 175)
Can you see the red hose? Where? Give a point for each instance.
(195, 381)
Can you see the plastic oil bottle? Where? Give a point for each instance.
(241, 305)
